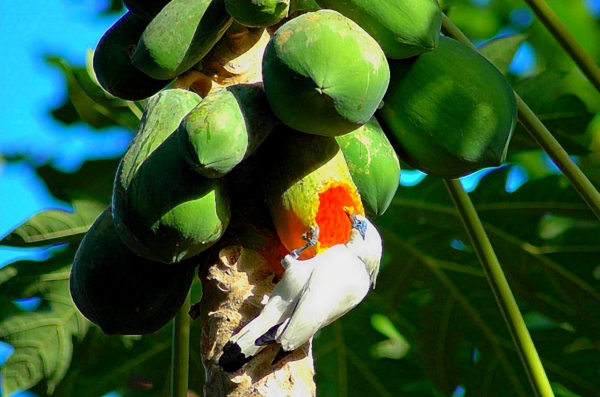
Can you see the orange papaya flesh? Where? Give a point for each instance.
(331, 217)
(307, 183)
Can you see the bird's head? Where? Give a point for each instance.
(366, 243)
(358, 222)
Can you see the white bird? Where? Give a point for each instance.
(242, 347)
(370, 248)
(311, 294)
(337, 285)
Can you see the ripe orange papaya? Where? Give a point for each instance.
(307, 183)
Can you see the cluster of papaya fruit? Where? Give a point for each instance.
(348, 87)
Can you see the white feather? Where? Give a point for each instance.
(336, 285)
(279, 306)
(369, 249)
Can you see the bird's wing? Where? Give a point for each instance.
(337, 285)
(242, 346)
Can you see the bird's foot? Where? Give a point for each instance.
(311, 237)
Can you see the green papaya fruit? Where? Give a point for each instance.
(302, 6)
(402, 28)
(258, 13)
(120, 291)
(163, 210)
(323, 74)
(179, 36)
(145, 9)
(225, 128)
(449, 112)
(112, 63)
(373, 164)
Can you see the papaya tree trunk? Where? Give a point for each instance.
(245, 265)
(242, 271)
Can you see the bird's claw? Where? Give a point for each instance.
(311, 237)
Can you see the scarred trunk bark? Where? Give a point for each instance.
(234, 288)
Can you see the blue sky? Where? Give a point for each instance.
(65, 28)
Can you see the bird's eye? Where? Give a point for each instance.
(362, 228)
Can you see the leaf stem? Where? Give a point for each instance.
(181, 350)
(566, 40)
(543, 137)
(502, 292)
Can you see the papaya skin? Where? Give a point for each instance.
(112, 64)
(225, 128)
(323, 74)
(297, 6)
(145, 9)
(163, 210)
(258, 13)
(460, 116)
(120, 291)
(373, 164)
(403, 29)
(180, 35)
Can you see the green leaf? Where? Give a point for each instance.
(501, 51)
(134, 366)
(24, 279)
(537, 90)
(93, 181)
(55, 226)
(566, 117)
(43, 342)
(395, 346)
(345, 366)
(93, 105)
(436, 294)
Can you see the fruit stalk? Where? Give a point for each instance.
(181, 350)
(501, 289)
(560, 32)
(542, 136)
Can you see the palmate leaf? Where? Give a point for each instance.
(43, 341)
(345, 362)
(93, 181)
(566, 116)
(132, 365)
(135, 366)
(24, 279)
(502, 50)
(55, 226)
(88, 102)
(444, 306)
